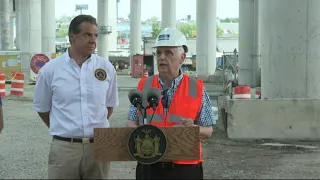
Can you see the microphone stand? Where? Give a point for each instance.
(144, 116)
(146, 168)
(144, 172)
(145, 120)
(143, 111)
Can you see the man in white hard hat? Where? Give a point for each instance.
(184, 102)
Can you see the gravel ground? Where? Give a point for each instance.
(24, 146)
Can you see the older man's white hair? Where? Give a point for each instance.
(181, 49)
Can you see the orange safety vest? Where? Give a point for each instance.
(186, 103)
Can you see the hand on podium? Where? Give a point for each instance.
(185, 122)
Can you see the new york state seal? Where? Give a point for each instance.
(147, 144)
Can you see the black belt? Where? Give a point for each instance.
(77, 140)
(171, 165)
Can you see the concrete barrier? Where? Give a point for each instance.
(285, 119)
(216, 113)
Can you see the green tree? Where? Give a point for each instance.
(229, 20)
(62, 31)
(219, 31)
(156, 27)
(189, 29)
(121, 35)
(64, 18)
(62, 28)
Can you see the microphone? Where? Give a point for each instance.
(153, 97)
(135, 98)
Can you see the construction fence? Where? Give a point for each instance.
(10, 62)
(230, 62)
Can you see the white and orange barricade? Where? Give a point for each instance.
(242, 92)
(145, 73)
(258, 92)
(17, 84)
(2, 85)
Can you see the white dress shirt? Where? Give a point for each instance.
(76, 99)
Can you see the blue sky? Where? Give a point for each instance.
(225, 8)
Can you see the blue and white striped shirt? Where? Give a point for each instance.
(205, 115)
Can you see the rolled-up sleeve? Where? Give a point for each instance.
(206, 114)
(42, 99)
(112, 99)
(133, 114)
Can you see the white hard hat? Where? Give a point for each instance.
(171, 37)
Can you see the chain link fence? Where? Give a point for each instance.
(230, 68)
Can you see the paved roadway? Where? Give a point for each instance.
(24, 146)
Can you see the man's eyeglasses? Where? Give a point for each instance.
(165, 98)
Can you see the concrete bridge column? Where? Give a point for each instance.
(135, 28)
(249, 60)
(48, 26)
(18, 21)
(290, 48)
(103, 38)
(206, 39)
(112, 21)
(246, 42)
(5, 26)
(169, 17)
(30, 32)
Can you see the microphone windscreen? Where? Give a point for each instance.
(134, 93)
(154, 93)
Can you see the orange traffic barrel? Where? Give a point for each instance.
(17, 84)
(258, 93)
(242, 92)
(2, 85)
(145, 73)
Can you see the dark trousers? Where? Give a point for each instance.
(169, 171)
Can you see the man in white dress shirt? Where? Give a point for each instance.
(74, 94)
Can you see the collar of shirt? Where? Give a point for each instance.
(175, 83)
(70, 60)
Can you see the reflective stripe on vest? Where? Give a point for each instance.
(158, 118)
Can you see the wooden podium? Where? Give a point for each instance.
(111, 144)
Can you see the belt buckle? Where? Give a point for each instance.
(85, 140)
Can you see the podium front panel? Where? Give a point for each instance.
(111, 144)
